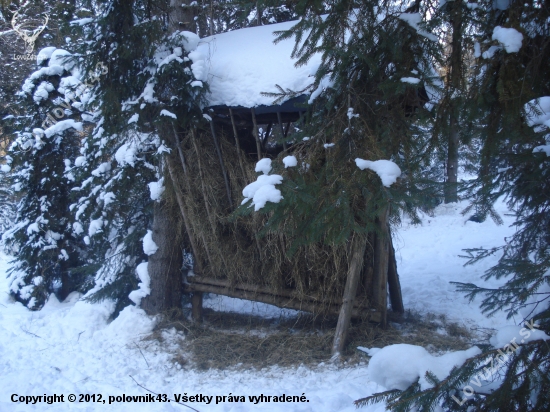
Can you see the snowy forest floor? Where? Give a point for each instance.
(250, 349)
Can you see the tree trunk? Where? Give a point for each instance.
(165, 265)
(181, 16)
(454, 83)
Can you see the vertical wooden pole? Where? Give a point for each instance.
(225, 178)
(381, 259)
(237, 143)
(358, 245)
(196, 306)
(283, 135)
(256, 134)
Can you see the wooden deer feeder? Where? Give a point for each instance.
(350, 280)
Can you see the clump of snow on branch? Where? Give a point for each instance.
(167, 113)
(156, 189)
(44, 54)
(149, 245)
(509, 38)
(516, 335)
(538, 112)
(61, 126)
(414, 19)
(399, 366)
(290, 161)
(411, 80)
(263, 189)
(386, 169)
(264, 166)
(144, 286)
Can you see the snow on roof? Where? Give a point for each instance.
(242, 64)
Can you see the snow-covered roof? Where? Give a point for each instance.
(241, 64)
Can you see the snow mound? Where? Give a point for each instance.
(386, 169)
(399, 366)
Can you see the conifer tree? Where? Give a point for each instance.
(144, 97)
(508, 104)
(47, 250)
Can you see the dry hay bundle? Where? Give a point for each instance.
(230, 250)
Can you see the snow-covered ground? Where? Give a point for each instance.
(71, 348)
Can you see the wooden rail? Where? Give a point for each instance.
(281, 298)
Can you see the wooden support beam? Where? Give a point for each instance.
(237, 143)
(358, 245)
(283, 136)
(197, 279)
(267, 133)
(196, 306)
(224, 172)
(256, 134)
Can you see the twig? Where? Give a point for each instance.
(142, 355)
(30, 333)
(154, 393)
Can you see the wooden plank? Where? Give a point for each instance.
(358, 245)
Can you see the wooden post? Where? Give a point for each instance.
(283, 135)
(381, 259)
(267, 133)
(237, 143)
(358, 245)
(396, 299)
(256, 134)
(196, 306)
(226, 180)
